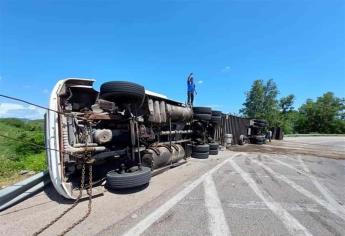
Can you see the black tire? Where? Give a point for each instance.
(213, 146)
(204, 117)
(216, 113)
(259, 124)
(202, 110)
(213, 152)
(216, 119)
(122, 92)
(201, 148)
(200, 155)
(128, 180)
(260, 121)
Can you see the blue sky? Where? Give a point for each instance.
(227, 44)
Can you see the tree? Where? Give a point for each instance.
(325, 115)
(253, 106)
(271, 103)
(285, 103)
(261, 101)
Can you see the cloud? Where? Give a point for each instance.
(200, 81)
(226, 68)
(15, 110)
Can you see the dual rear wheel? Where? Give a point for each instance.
(203, 151)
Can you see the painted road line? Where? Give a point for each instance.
(144, 224)
(299, 171)
(217, 221)
(292, 224)
(266, 176)
(303, 172)
(254, 205)
(323, 190)
(257, 205)
(303, 191)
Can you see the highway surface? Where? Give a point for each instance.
(241, 192)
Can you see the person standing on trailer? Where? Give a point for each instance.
(190, 89)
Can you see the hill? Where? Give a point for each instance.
(18, 157)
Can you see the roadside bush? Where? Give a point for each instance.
(20, 155)
(27, 138)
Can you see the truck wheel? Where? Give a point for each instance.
(202, 110)
(216, 113)
(260, 124)
(122, 92)
(260, 121)
(214, 152)
(213, 146)
(130, 179)
(204, 117)
(200, 155)
(201, 148)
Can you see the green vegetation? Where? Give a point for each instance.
(325, 115)
(16, 156)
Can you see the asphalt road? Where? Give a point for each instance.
(234, 193)
(334, 142)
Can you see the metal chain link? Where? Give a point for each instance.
(89, 192)
(87, 159)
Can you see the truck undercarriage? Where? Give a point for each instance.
(123, 130)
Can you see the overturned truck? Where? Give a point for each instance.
(123, 131)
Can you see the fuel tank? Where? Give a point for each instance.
(162, 155)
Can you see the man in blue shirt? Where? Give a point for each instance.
(190, 89)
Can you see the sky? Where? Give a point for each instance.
(226, 44)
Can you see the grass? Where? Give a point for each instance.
(312, 135)
(16, 156)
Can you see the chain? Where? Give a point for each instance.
(89, 161)
(86, 160)
(89, 192)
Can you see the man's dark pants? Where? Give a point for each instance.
(190, 98)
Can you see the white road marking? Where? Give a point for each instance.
(267, 176)
(303, 191)
(290, 166)
(291, 223)
(323, 190)
(303, 172)
(253, 205)
(280, 156)
(217, 221)
(160, 211)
